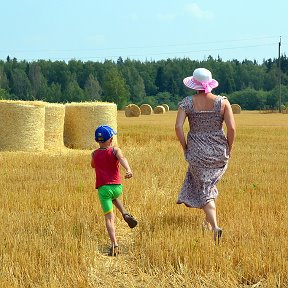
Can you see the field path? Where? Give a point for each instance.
(120, 271)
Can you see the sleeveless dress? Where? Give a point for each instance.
(207, 154)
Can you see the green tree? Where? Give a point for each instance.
(4, 94)
(114, 88)
(249, 99)
(160, 79)
(151, 100)
(134, 81)
(92, 89)
(225, 76)
(271, 101)
(4, 83)
(56, 72)
(54, 93)
(73, 92)
(21, 86)
(38, 82)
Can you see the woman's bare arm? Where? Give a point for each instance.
(180, 119)
(230, 124)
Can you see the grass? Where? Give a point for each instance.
(53, 233)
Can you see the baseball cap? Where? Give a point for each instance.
(104, 133)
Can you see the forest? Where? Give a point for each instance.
(252, 85)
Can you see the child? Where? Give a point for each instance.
(105, 161)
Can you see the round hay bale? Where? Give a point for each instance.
(54, 126)
(132, 110)
(81, 120)
(159, 109)
(146, 109)
(127, 111)
(22, 126)
(236, 108)
(166, 107)
(285, 111)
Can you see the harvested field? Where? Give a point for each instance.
(53, 232)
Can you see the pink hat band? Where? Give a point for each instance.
(204, 82)
(208, 86)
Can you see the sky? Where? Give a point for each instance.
(152, 30)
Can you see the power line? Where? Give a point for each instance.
(142, 47)
(149, 54)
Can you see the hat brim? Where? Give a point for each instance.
(190, 83)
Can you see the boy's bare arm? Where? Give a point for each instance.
(92, 160)
(124, 162)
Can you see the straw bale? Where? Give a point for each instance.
(285, 111)
(166, 107)
(146, 109)
(54, 126)
(159, 109)
(132, 110)
(127, 111)
(81, 120)
(236, 108)
(22, 125)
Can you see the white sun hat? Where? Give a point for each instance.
(201, 80)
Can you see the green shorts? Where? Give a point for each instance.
(106, 194)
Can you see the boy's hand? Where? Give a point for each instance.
(128, 174)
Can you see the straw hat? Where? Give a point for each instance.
(201, 80)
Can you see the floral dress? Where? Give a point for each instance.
(207, 154)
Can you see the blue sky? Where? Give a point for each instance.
(143, 30)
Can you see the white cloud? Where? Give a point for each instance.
(196, 11)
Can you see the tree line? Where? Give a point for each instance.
(251, 85)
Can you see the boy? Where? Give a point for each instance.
(105, 161)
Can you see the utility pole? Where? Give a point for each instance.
(279, 68)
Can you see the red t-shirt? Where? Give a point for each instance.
(106, 167)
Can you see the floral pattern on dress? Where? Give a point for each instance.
(207, 154)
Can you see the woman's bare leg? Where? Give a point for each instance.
(211, 217)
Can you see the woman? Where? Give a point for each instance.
(207, 149)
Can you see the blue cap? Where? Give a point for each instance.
(104, 133)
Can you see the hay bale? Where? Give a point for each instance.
(146, 109)
(166, 107)
(22, 125)
(285, 111)
(54, 126)
(132, 110)
(159, 109)
(236, 108)
(127, 111)
(81, 120)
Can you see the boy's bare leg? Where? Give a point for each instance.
(110, 225)
(131, 221)
(117, 202)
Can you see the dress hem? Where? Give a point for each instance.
(190, 206)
